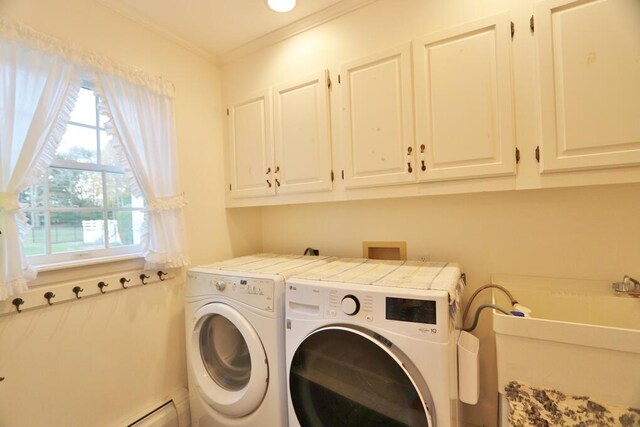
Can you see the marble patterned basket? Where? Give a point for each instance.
(537, 407)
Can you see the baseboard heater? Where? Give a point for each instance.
(170, 413)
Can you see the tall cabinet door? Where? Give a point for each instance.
(302, 135)
(589, 71)
(377, 119)
(250, 147)
(464, 101)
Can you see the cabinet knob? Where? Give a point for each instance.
(268, 171)
(409, 168)
(423, 167)
(277, 183)
(268, 183)
(277, 169)
(422, 148)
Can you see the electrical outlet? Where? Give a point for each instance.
(423, 257)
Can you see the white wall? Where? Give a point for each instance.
(101, 360)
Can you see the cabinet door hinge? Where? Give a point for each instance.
(517, 155)
(227, 111)
(339, 82)
(538, 153)
(513, 29)
(532, 24)
(229, 187)
(343, 174)
(328, 83)
(331, 176)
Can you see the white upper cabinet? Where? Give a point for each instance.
(464, 101)
(302, 135)
(589, 76)
(377, 119)
(251, 146)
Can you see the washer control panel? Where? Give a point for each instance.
(255, 292)
(423, 316)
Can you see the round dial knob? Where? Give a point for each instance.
(350, 305)
(220, 285)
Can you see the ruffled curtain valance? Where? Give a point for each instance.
(12, 31)
(40, 78)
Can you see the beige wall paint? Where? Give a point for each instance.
(581, 232)
(102, 360)
(586, 232)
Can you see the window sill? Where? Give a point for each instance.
(86, 262)
(74, 270)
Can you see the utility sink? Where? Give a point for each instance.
(581, 339)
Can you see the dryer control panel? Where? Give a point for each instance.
(256, 292)
(420, 314)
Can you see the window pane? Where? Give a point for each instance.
(34, 242)
(79, 144)
(107, 152)
(74, 188)
(85, 109)
(33, 197)
(125, 227)
(76, 231)
(118, 193)
(102, 119)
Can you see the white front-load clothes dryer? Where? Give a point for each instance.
(373, 343)
(235, 339)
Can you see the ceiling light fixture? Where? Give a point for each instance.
(281, 5)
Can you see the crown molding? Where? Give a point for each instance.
(133, 15)
(328, 14)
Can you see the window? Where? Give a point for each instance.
(83, 207)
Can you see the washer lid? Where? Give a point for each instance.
(349, 376)
(228, 360)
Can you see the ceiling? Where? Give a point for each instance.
(218, 27)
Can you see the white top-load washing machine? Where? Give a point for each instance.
(235, 339)
(373, 343)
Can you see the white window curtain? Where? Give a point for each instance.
(37, 93)
(141, 126)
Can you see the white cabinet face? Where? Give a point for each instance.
(464, 101)
(250, 147)
(589, 70)
(377, 119)
(302, 135)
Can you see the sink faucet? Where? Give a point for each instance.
(628, 286)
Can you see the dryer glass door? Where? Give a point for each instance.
(228, 360)
(341, 376)
(225, 353)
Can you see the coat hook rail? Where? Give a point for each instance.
(62, 293)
